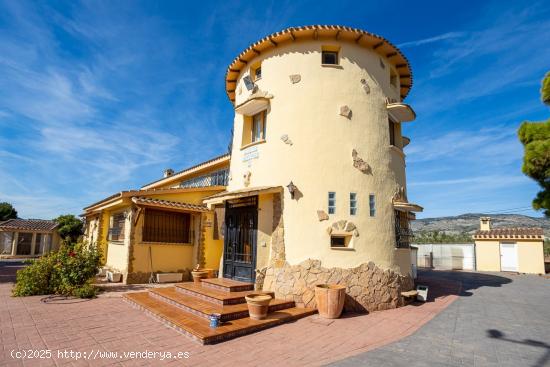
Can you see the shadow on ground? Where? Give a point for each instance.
(8, 270)
(460, 283)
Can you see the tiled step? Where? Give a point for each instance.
(198, 328)
(214, 295)
(227, 285)
(205, 308)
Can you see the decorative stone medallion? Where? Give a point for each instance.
(366, 87)
(286, 139)
(246, 178)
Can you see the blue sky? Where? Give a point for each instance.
(98, 97)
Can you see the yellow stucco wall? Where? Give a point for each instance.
(487, 255)
(320, 157)
(530, 255)
(166, 257)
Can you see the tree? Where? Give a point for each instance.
(535, 137)
(7, 211)
(70, 227)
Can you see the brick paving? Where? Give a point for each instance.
(108, 324)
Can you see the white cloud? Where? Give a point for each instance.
(438, 38)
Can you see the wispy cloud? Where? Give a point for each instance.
(438, 38)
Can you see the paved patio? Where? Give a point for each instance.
(108, 324)
(499, 320)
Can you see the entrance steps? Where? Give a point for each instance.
(186, 307)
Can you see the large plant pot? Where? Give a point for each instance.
(198, 275)
(330, 300)
(258, 305)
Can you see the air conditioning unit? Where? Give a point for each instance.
(169, 277)
(114, 277)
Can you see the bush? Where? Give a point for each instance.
(67, 272)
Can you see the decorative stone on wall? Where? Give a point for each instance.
(286, 139)
(322, 215)
(368, 288)
(366, 87)
(295, 78)
(277, 236)
(345, 111)
(345, 226)
(359, 163)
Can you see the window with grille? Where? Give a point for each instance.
(331, 202)
(352, 203)
(166, 227)
(116, 229)
(372, 205)
(329, 58)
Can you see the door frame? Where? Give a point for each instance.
(516, 255)
(236, 207)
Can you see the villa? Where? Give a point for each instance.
(313, 190)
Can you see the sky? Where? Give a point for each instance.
(98, 97)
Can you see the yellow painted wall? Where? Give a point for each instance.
(319, 160)
(531, 257)
(213, 248)
(529, 253)
(487, 255)
(265, 229)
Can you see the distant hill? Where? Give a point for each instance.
(469, 223)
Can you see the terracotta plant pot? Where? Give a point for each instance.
(198, 275)
(258, 305)
(330, 300)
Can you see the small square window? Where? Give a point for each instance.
(258, 73)
(337, 241)
(329, 58)
(331, 202)
(352, 203)
(372, 205)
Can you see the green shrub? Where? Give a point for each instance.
(66, 272)
(85, 291)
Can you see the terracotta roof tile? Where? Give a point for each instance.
(28, 224)
(169, 204)
(522, 232)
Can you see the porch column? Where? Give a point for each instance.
(33, 244)
(14, 243)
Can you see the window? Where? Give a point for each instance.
(391, 127)
(372, 206)
(329, 57)
(258, 73)
(338, 241)
(331, 202)
(38, 246)
(24, 243)
(352, 203)
(258, 127)
(167, 227)
(116, 229)
(216, 178)
(6, 240)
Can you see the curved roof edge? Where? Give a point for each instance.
(366, 39)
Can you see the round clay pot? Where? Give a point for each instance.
(330, 300)
(198, 275)
(258, 305)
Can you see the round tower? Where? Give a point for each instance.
(317, 140)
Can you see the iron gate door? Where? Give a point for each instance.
(239, 257)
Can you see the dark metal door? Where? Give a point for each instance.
(241, 221)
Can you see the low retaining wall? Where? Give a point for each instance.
(368, 288)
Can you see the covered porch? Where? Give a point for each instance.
(27, 237)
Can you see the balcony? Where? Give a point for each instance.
(216, 178)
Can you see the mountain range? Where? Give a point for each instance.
(469, 223)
